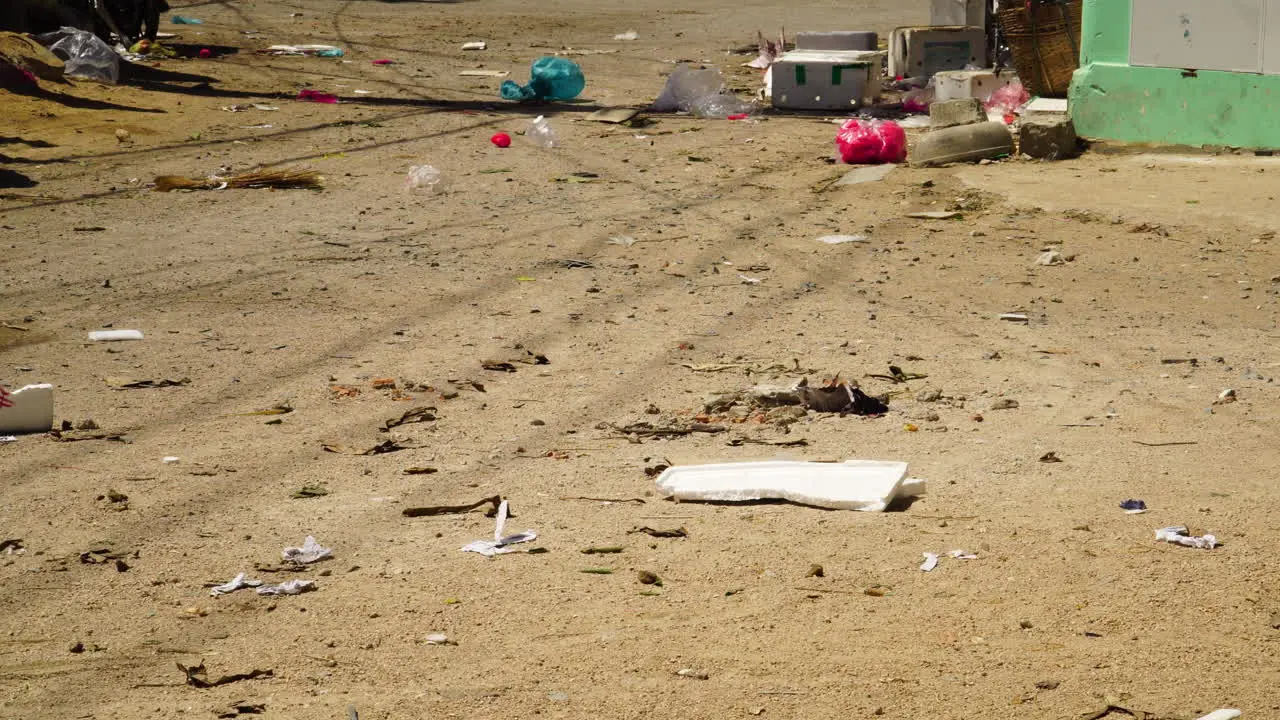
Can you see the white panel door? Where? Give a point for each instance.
(1198, 34)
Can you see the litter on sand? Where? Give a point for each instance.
(500, 545)
(1177, 534)
(476, 45)
(842, 239)
(1223, 714)
(235, 584)
(310, 552)
(115, 335)
(931, 559)
(28, 409)
(289, 587)
(864, 485)
(628, 35)
(281, 179)
(1133, 507)
(312, 50)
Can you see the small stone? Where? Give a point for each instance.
(87, 424)
(1047, 137)
(1050, 457)
(1050, 257)
(648, 578)
(1047, 685)
(1025, 624)
(1004, 404)
(929, 395)
(693, 674)
(815, 570)
(652, 409)
(537, 423)
(993, 355)
(77, 648)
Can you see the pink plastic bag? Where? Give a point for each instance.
(1008, 99)
(316, 96)
(870, 142)
(917, 101)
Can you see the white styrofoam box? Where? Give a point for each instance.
(826, 79)
(1046, 106)
(959, 12)
(837, 40)
(30, 411)
(961, 84)
(924, 51)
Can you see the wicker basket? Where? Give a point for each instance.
(1045, 42)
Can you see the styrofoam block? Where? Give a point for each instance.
(924, 51)
(31, 410)
(866, 485)
(961, 84)
(825, 79)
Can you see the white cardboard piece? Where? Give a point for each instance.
(864, 485)
(31, 410)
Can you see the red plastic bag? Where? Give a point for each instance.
(1008, 99)
(871, 142)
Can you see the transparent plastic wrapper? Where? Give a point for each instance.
(541, 133)
(869, 142)
(865, 485)
(918, 100)
(310, 552)
(85, 55)
(424, 177)
(700, 92)
(1008, 99)
(550, 78)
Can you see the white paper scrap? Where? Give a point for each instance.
(310, 552)
(500, 545)
(236, 583)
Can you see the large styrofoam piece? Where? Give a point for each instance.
(825, 79)
(837, 40)
(923, 51)
(961, 84)
(959, 12)
(32, 411)
(866, 485)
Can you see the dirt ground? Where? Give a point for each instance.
(260, 297)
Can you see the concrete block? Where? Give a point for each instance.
(1047, 137)
(956, 112)
(27, 410)
(837, 40)
(825, 80)
(964, 143)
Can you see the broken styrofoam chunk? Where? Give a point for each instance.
(1050, 257)
(115, 335)
(628, 35)
(1177, 534)
(500, 545)
(28, 409)
(866, 485)
(841, 239)
(437, 639)
(474, 45)
(930, 562)
(962, 555)
(289, 587)
(310, 552)
(171, 460)
(1223, 714)
(235, 584)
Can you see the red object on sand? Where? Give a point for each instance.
(205, 53)
(739, 116)
(317, 97)
(501, 140)
(4, 398)
(384, 62)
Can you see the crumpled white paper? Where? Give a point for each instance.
(499, 544)
(235, 584)
(1177, 534)
(309, 552)
(290, 587)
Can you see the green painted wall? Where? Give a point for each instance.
(1111, 100)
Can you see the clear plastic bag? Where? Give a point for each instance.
(1008, 99)
(550, 78)
(86, 56)
(700, 92)
(541, 133)
(423, 177)
(870, 142)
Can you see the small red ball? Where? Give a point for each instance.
(205, 53)
(501, 140)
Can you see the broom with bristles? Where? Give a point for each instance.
(283, 179)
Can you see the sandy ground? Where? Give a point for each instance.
(261, 297)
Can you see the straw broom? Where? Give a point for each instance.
(283, 179)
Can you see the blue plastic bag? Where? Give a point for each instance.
(550, 78)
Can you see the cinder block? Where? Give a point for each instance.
(956, 112)
(1047, 137)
